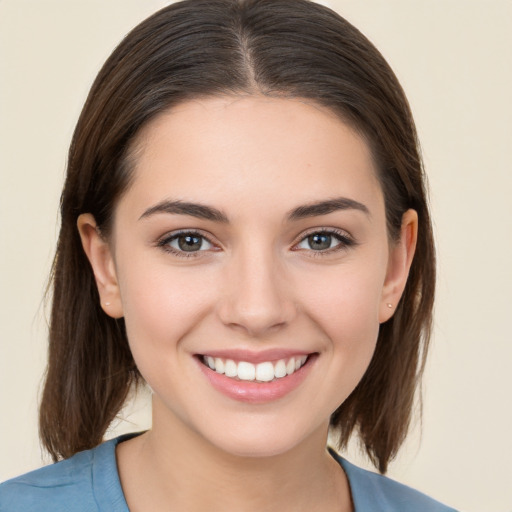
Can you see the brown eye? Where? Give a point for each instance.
(186, 242)
(190, 243)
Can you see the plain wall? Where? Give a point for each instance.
(453, 58)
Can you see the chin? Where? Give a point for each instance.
(273, 441)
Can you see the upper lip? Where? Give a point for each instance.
(256, 356)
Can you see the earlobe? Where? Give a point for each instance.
(401, 255)
(100, 257)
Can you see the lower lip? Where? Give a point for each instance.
(257, 392)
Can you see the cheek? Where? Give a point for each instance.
(345, 306)
(344, 300)
(162, 304)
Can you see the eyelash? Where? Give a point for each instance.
(345, 242)
(164, 243)
(344, 239)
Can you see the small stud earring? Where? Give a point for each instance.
(389, 305)
(107, 303)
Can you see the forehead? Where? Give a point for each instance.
(232, 149)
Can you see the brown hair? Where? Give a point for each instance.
(288, 48)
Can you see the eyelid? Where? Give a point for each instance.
(164, 241)
(345, 238)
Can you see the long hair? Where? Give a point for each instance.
(201, 48)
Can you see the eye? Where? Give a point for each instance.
(325, 241)
(185, 243)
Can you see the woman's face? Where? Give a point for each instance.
(252, 240)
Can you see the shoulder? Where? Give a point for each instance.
(51, 487)
(84, 482)
(372, 492)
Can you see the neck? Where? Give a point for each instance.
(173, 468)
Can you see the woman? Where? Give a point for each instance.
(244, 228)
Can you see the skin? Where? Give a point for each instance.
(255, 284)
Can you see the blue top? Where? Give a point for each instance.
(89, 482)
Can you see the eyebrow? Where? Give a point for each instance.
(201, 211)
(325, 207)
(186, 208)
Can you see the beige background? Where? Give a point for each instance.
(454, 60)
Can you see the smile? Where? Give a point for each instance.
(256, 378)
(266, 371)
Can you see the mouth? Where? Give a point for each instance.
(265, 371)
(256, 378)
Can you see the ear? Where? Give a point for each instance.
(100, 257)
(401, 255)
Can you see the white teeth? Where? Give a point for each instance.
(219, 365)
(265, 372)
(230, 368)
(262, 372)
(246, 371)
(280, 369)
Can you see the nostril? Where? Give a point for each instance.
(255, 319)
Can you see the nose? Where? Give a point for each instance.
(257, 297)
